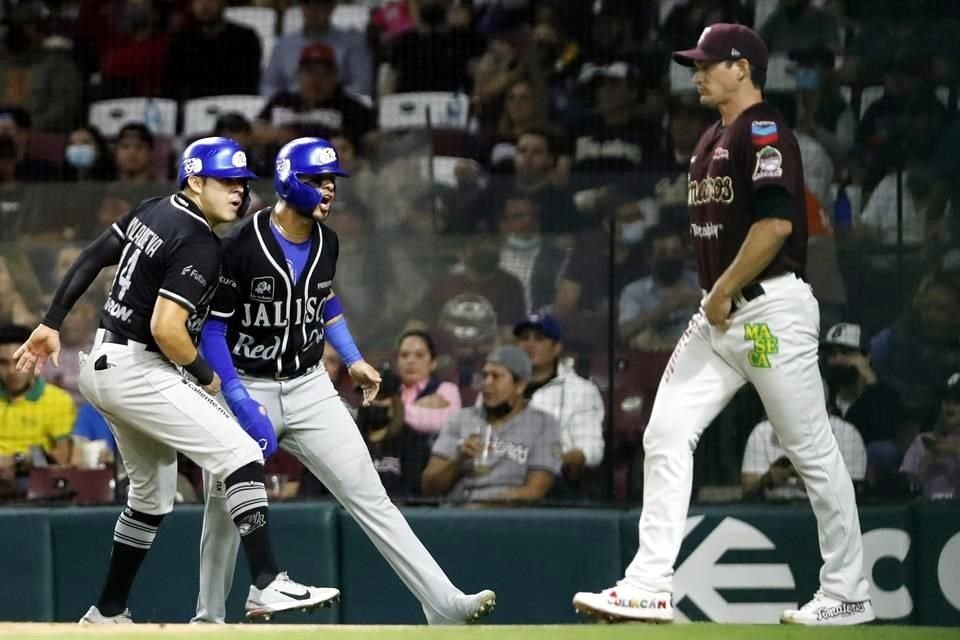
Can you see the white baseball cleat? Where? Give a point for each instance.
(283, 594)
(468, 609)
(824, 610)
(93, 616)
(624, 603)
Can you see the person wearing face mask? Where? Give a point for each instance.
(858, 396)
(86, 157)
(526, 253)
(654, 311)
(503, 452)
(212, 47)
(133, 51)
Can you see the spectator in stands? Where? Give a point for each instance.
(822, 110)
(768, 474)
(796, 25)
(91, 435)
(686, 20)
(478, 274)
(615, 140)
(435, 55)
(858, 396)
(353, 56)
(880, 218)
(282, 472)
(16, 124)
(584, 298)
(133, 51)
(86, 156)
(524, 109)
(232, 124)
(56, 87)
(133, 154)
(904, 122)
(212, 56)
(353, 210)
(923, 347)
(555, 388)
(534, 171)
(319, 107)
(76, 336)
(503, 452)
(932, 463)
(427, 400)
(536, 261)
(655, 311)
(35, 413)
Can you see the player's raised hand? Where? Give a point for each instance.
(43, 343)
(716, 307)
(367, 377)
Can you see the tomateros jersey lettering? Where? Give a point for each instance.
(274, 324)
(169, 251)
(729, 165)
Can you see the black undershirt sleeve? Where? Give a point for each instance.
(103, 252)
(773, 201)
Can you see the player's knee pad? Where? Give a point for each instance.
(246, 496)
(250, 472)
(136, 529)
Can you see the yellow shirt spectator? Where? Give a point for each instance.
(43, 416)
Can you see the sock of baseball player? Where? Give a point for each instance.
(247, 502)
(132, 537)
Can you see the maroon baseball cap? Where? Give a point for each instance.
(723, 41)
(317, 52)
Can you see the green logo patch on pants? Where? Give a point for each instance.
(764, 344)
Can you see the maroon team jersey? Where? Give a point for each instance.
(728, 166)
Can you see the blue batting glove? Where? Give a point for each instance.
(252, 417)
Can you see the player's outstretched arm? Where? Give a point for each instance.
(44, 342)
(251, 415)
(338, 335)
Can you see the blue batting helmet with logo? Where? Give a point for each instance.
(214, 158)
(304, 156)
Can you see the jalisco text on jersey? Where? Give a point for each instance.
(143, 237)
(274, 314)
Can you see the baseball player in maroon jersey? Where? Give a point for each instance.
(759, 323)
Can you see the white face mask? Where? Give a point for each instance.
(522, 241)
(81, 156)
(633, 232)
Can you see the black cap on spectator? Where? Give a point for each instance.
(20, 117)
(724, 41)
(231, 122)
(136, 130)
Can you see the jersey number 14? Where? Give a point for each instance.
(128, 262)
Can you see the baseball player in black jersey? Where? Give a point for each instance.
(758, 323)
(169, 267)
(273, 312)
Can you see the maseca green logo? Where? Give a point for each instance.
(764, 344)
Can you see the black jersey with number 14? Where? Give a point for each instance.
(170, 251)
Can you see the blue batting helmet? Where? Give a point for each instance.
(215, 158)
(304, 156)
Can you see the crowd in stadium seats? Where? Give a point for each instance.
(508, 158)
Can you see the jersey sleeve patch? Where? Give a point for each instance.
(763, 133)
(769, 164)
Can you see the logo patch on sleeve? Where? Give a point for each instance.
(769, 164)
(763, 132)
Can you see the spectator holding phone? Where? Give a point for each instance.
(932, 463)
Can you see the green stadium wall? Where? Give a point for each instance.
(738, 563)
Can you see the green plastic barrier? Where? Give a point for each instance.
(937, 544)
(26, 592)
(534, 559)
(746, 563)
(305, 542)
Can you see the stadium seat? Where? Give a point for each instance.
(411, 111)
(159, 114)
(263, 20)
(346, 16)
(200, 114)
(444, 169)
(80, 486)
